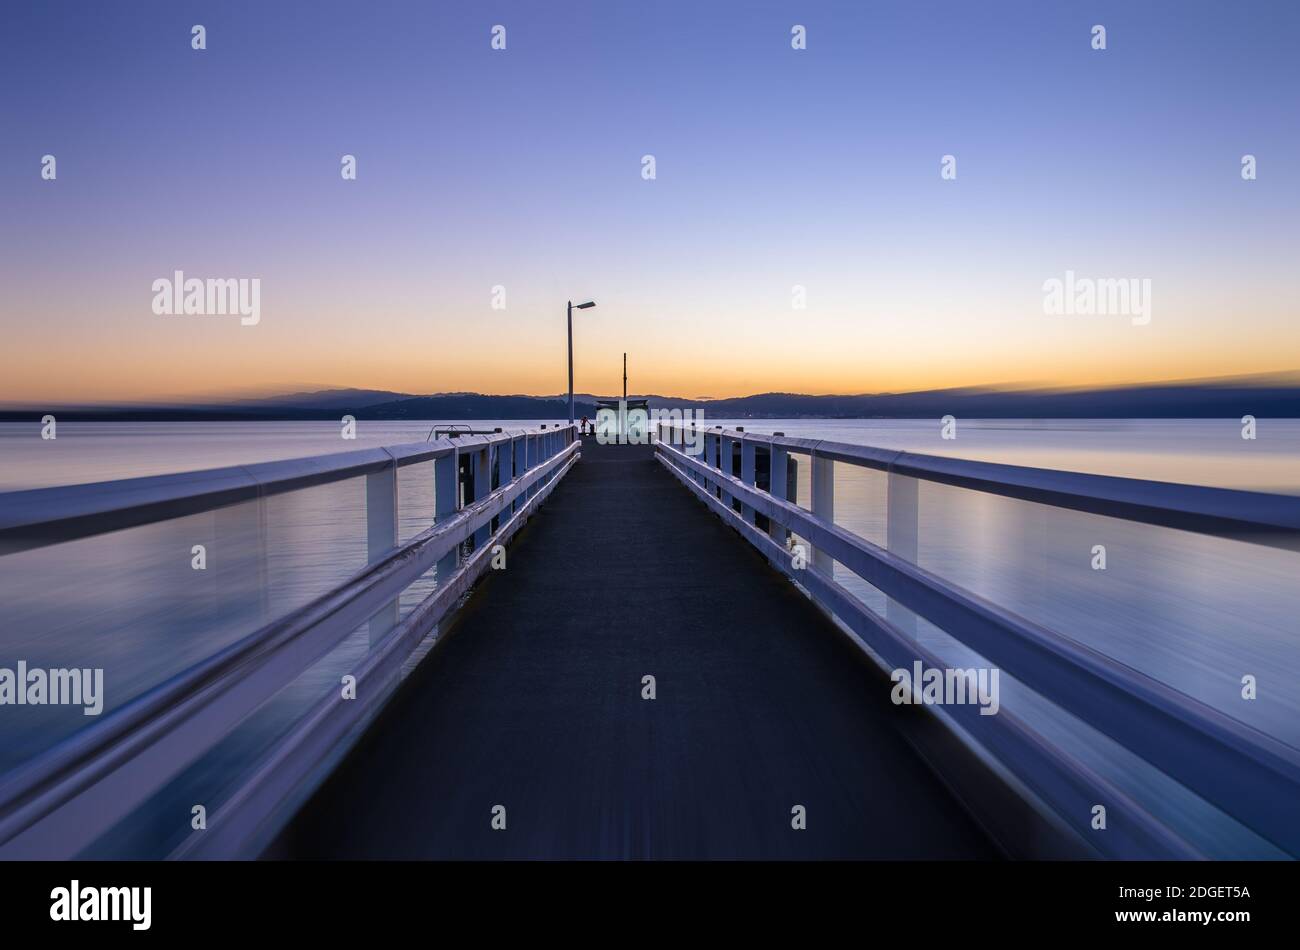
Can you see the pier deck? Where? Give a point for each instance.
(533, 701)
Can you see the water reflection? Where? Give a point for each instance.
(1194, 612)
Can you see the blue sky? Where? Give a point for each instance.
(521, 168)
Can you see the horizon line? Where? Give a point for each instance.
(1284, 378)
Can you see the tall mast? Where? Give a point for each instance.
(625, 377)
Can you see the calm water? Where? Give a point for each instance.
(1209, 452)
(1196, 613)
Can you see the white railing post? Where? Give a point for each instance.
(381, 537)
(505, 466)
(539, 456)
(823, 505)
(724, 465)
(776, 487)
(529, 453)
(747, 475)
(685, 447)
(544, 453)
(446, 498)
(710, 459)
(519, 459)
(902, 531)
(480, 467)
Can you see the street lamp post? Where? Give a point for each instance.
(581, 306)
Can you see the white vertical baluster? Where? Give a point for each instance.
(747, 466)
(724, 464)
(714, 459)
(823, 505)
(504, 472)
(902, 533)
(776, 486)
(446, 498)
(519, 455)
(381, 537)
(481, 474)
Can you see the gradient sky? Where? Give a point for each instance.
(522, 168)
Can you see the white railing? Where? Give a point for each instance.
(1249, 775)
(58, 803)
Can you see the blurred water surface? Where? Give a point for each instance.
(1197, 613)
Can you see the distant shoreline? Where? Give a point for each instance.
(362, 416)
(1208, 400)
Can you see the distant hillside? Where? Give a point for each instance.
(1227, 400)
(476, 406)
(1213, 399)
(344, 399)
